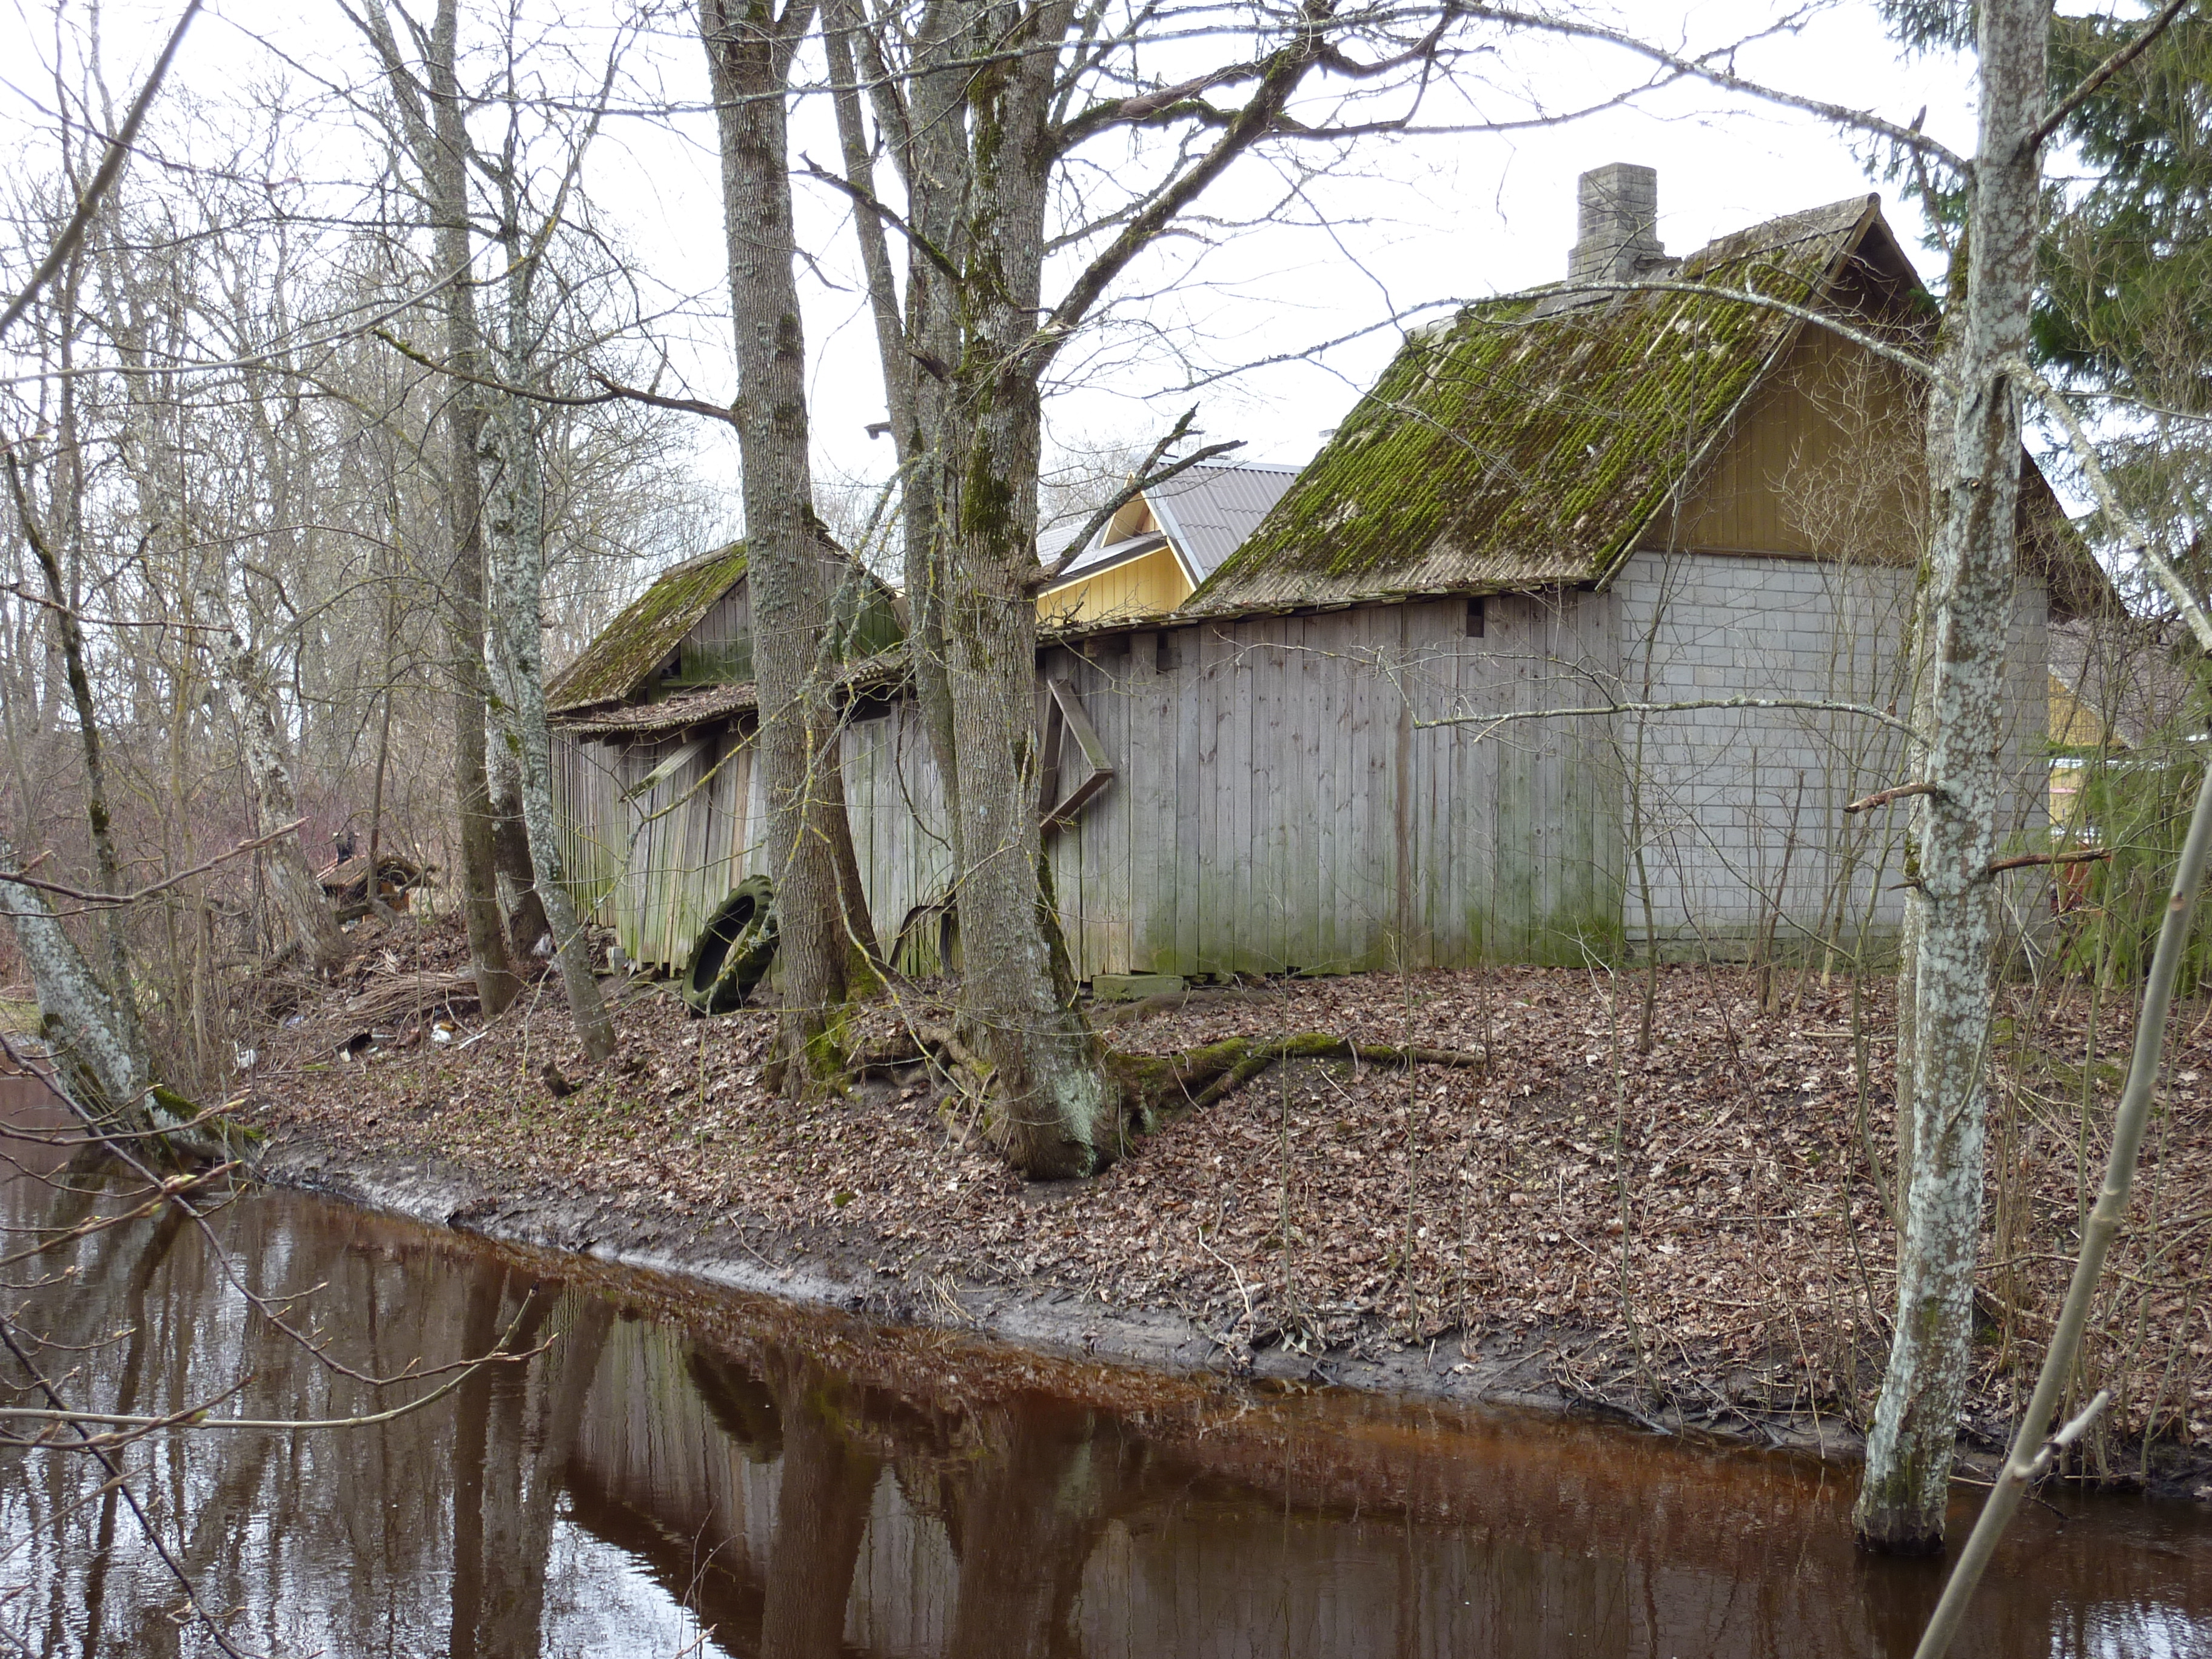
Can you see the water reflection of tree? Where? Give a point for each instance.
(823, 1495)
(514, 1433)
(1049, 1479)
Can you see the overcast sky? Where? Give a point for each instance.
(1411, 224)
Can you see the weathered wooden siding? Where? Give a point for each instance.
(896, 809)
(1277, 807)
(719, 646)
(653, 865)
(1280, 804)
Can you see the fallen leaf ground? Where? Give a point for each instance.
(1693, 1226)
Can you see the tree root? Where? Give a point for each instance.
(1156, 1090)
(1159, 1088)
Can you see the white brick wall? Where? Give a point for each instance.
(1727, 796)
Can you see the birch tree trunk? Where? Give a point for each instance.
(1940, 446)
(97, 819)
(750, 50)
(1909, 1450)
(514, 515)
(298, 896)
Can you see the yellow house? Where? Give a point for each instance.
(2115, 688)
(1153, 553)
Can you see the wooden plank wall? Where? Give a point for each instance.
(1276, 806)
(1279, 808)
(653, 866)
(896, 810)
(720, 644)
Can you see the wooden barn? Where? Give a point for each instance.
(1386, 728)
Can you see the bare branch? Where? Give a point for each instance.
(110, 165)
(2133, 536)
(2026, 860)
(1698, 68)
(1872, 343)
(1883, 797)
(883, 214)
(2104, 72)
(1857, 710)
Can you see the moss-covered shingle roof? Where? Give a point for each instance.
(1523, 445)
(619, 662)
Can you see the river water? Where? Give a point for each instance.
(679, 1473)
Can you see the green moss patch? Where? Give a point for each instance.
(1527, 443)
(614, 665)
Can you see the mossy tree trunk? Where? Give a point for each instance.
(1904, 1492)
(983, 202)
(791, 567)
(99, 1049)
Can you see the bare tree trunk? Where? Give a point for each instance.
(97, 1044)
(1909, 1450)
(433, 122)
(515, 516)
(292, 882)
(62, 608)
(749, 52)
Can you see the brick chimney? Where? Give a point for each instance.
(1617, 215)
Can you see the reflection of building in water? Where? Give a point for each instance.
(928, 1501)
(1298, 1528)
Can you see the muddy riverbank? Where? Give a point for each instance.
(1690, 1237)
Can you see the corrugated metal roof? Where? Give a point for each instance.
(1205, 513)
(1208, 511)
(1526, 443)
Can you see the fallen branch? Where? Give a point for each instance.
(106, 900)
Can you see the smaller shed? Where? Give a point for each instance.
(653, 728)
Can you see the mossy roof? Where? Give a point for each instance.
(1528, 442)
(618, 664)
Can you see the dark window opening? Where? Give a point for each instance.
(1477, 623)
(1163, 653)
